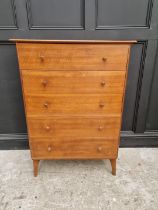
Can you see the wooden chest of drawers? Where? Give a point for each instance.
(73, 95)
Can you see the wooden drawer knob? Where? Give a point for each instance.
(104, 59)
(101, 105)
(100, 128)
(99, 149)
(41, 57)
(44, 83)
(45, 105)
(103, 83)
(49, 148)
(48, 128)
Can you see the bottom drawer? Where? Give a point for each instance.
(90, 148)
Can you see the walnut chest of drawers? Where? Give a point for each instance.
(73, 94)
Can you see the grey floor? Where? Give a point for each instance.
(80, 185)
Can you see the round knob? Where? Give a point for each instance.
(104, 59)
(102, 83)
(45, 105)
(49, 148)
(100, 128)
(47, 127)
(44, 83)
(41, 56)
(99, 149)
(101, 105)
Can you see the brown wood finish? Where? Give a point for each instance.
(89, 57)
(72, 104)
(56, 82)
(35, 165)
(78, 148)
(79, 41)
(73, 95)
(113, 165)
(82, 127)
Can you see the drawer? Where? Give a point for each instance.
(90, 148)
(73, 56)
(81, 127)
(73, 104)
(52, 82)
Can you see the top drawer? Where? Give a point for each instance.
(89, 57)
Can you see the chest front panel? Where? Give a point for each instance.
(73, 96)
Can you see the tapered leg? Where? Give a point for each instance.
(113, 165)
(35, 167)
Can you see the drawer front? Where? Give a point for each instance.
(52, 82)
(73, 104)
(90, 148)
(73, 56)
(81, 127)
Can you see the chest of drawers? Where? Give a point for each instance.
(73, 94)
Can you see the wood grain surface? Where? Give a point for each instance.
(80, 126)
(56, 82)
(72, 104)
(73, 95)
(90, 57)
(90, 148)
